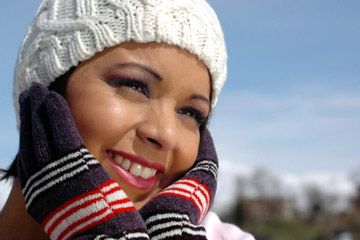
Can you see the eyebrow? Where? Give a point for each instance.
(159, 77)
(142, 67)
(200, 97)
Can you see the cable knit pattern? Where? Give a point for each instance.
(66, 32)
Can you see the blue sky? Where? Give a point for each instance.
(291, 102)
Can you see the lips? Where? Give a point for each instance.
(135, 170)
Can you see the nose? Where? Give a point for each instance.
(159, 128)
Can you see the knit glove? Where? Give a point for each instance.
(65, 188)
(175, 213)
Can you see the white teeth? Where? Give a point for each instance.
(126, 164)
(136, 169)
(119, 159)
(147, 173)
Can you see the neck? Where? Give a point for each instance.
(15, 222)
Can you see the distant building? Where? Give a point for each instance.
(267, 208)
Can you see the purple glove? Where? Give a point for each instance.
(175, 213)
(65, 188)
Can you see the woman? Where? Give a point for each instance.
(123, 151)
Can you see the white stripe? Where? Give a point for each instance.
(172, 233)
(86, 211)
(92, 162)
(161, 216)
(88, 156)
(52, 174)
(75, 204)
(180, 224)
(189, 181)
(198, 205)
(89, 222)
(121, 205)
(203, 201)
(52, 165)
(206, 166)
(182, 187)
(178, 232)
(78, 215)
(108, 188)
(165, 225)
(126, 237)
(54, 182)
(101, 236)
(195, 233)
(177, 192)
(213, 172)
(202, 195)
(115, 196)
(56, 171)
(68, 208)
(136, 235)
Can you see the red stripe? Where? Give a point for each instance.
(194, 183)
(105, 219)
(73, 200)
(70, 212)
(83, 220)
(112, 190)
(206, 193)
(189, 181)
(183, 197)
(89, 217)
(179, 189)
(83, 205)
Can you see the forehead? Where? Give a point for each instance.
(170, 62)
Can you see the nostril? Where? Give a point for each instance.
(153, 141)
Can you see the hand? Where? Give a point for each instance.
(176, 211)
(65, 188)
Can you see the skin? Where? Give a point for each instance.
(160, 124)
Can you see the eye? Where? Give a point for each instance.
(193, 113)
(131, 83)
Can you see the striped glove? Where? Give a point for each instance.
(65, 188)
(175, 213)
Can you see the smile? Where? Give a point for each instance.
(135, 170)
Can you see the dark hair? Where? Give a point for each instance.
(59, 86)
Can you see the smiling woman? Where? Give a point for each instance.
(112, 101)
(149, 101)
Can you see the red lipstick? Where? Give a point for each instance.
(127, 177)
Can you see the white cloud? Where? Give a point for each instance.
(301, 130)
(337, 185)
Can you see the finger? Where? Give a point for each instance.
(206, 147)
(65, 135)
(25, 159)
(37, 94)
(41, 132)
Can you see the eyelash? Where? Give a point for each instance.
(197, 115)
(141, 87)
(134, 84)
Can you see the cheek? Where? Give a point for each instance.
(186, 155)
(103, 121)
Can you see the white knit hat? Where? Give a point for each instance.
(66, 32)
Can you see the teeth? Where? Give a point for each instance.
(119, 160)
(148, 173)
(126, 164)
(136, 169)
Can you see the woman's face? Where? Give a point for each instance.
(138, 108)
